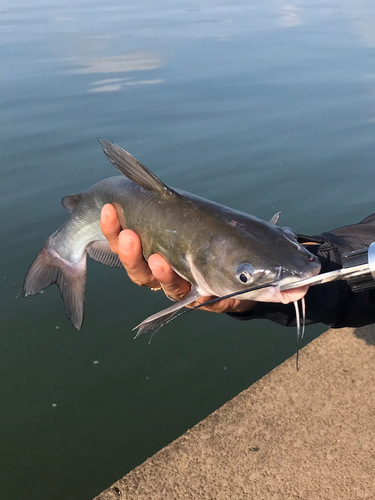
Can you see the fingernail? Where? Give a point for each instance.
(126, 244)
(104, 214)
(157, 271)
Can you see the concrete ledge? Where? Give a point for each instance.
(291, 435)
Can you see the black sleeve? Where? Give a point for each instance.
(333, 304)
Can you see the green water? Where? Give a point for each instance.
(263, 106)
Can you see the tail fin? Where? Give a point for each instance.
(50, 268)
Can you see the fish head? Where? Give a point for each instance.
(268, 257)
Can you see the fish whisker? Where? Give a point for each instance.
(163, 320)
(300, 333)
(217, 299)
(298, 322)
(209, 302)
(303, 304)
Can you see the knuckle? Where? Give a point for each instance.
(174, 294)
(137, 270)
(113, 246)
(138, 281)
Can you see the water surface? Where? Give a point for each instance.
(263, 106)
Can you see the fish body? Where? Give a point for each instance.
(217, 249)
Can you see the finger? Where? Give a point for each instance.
(110, 226)
(217, 307)
(130, 253)
(293, 294)
(225, 305)
(173, 285)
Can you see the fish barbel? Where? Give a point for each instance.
(219, 250)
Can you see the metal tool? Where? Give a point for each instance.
(358, 269)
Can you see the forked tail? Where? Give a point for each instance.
(49, 267)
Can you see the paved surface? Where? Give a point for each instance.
(291, 435)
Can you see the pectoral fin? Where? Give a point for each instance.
(156, 321)
(101, 252)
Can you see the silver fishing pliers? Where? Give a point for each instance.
(358, 269)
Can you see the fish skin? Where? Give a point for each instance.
(203, 241)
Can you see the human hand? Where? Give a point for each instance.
(156, 272)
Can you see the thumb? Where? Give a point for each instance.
(110, 226)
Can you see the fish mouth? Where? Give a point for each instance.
(286, 276)
(272, 293)
(294, 294)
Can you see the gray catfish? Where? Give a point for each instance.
(219, 250)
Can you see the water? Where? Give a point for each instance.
(264, 106)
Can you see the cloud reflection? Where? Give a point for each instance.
(362, 12)
(116, 84)
(114, 87)
(137, 61)
(290, 16)
(126, 63)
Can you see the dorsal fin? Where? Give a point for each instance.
(70, 201)
(275, 218)
(133, 169)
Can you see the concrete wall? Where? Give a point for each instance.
(292, 435)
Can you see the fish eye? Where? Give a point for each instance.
(244, 272)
